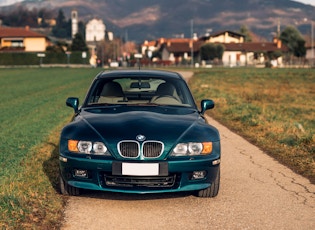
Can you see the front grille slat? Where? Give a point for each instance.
(152, 149)
(129, 149)
(121, 181)
(149, 149)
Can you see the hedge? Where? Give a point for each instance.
(30, 58)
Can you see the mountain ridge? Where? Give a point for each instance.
(140, 20)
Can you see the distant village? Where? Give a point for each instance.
(228, 48)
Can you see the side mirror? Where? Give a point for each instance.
(73, 102)
(205, 105)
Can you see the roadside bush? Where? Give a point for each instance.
(26, 58)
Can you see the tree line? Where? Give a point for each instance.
(22, 16)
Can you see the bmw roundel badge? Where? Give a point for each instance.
(140, 137)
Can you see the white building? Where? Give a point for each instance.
(95, 30)
(74, 23)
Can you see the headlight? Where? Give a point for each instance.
(99, 148)
(180, 149)
(87, 147)
(192, 149)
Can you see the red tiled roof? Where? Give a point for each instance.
(182, 47)
(254, 47)
(8, 32)
(161, 41)
(177, 40)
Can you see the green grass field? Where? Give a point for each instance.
(32, 107)
(273, 108)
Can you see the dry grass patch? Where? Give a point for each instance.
(31, 198)
(273, 108)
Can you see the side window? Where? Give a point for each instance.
(95, 92)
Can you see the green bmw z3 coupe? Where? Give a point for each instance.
(139, 131)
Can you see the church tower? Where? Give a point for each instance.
(74, 23)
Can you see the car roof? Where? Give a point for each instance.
(139, 73)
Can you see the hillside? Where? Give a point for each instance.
(151, 19)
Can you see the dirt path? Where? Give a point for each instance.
(256, 193)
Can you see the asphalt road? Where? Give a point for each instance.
(256, 193)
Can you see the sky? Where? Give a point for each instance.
(8, 2)
(311, 2)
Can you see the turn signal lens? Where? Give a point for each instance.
(207, 148)
(73, 145)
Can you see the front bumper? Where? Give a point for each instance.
(174, 175)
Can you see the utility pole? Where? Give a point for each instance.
(312, 42)
(192, 42)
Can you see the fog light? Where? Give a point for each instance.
(216, 162)
(81, 173)
(196, 175)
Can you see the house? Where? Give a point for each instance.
(310, 53)
(236, 52)
(95, 30)
(148, 47)
(180, 50)
(225, 36)
(252, 53)
(175, 50)
(22, 39)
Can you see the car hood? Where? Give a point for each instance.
(169, 128)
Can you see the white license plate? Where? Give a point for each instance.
(140, 169)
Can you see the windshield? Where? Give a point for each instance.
(140, 91)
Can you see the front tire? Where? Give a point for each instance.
(213, 190)
(66, 189)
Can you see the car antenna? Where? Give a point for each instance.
(138, 57)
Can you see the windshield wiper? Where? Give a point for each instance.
(103, 104)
